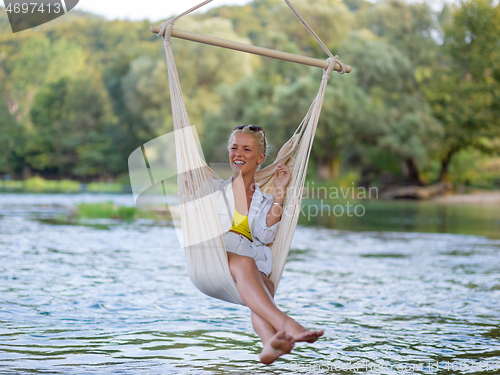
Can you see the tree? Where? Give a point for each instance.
(348, 116)
(144, 86)
(410, 27)
(388, 77)
(71, 132)
(464, 89)
(249, 101)
(146, 98)
(271, 23)
(37, 62)
(12, 139)
(330, 19)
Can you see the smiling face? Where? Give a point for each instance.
(244, 155)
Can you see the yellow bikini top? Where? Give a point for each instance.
(240, 225)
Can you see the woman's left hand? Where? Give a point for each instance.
(283, 180)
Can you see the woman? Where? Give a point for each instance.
(249, 259)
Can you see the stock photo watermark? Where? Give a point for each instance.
(327, 195)
(402, 368)
(24, 15)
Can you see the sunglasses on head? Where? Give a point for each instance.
(253, 128)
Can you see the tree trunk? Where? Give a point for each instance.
(410, 171)
(445, 162)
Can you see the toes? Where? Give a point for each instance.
(309, 336)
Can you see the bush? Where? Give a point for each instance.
(68, 185)
(36, 184)
(474, 169)
(106, 210)
(104, 187)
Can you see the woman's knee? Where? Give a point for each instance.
(239, 263)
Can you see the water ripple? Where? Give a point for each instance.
(78, 300)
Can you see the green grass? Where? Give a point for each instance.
(104, 187)
(41, 185)
(108, 210)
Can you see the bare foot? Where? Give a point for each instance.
(309, 336)
(279, 344)
(299, 333)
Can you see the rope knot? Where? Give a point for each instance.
(342, 66)
(166, 32)
(332, 61)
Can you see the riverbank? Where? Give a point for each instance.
(475, 197)
(40, 185)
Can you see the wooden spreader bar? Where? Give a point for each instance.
(186, 35)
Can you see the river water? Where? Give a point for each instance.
(394, 294)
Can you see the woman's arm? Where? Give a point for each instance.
(264, 233)
(280, 184)
(275, 211)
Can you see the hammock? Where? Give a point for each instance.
(206, 257)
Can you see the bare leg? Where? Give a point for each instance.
(274, 344)
(261, 327)
(257, 297)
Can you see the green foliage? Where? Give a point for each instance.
(409, 27)
(68, 185)
(144, 94)
(11, 141)
(347, 116)
(472, 39)
(72, 121)
(319, 15)
(464, 89)
(377, 163)
(37, 62)
(109, 210)
(97, 210)
(38, 184)
(105, 187)
(348, 179)
(472, 168)
(250, 101)
(79, 94)
(401, 122)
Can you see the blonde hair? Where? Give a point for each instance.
(259, 137)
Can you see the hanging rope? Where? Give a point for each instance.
(320, 42)
(192, 10)
(167, 26)
(206, 256)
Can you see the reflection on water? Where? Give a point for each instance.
(78, 299)
(403, 216)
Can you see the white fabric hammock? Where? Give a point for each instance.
(206, 257)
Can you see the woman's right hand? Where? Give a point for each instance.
(281, 182)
